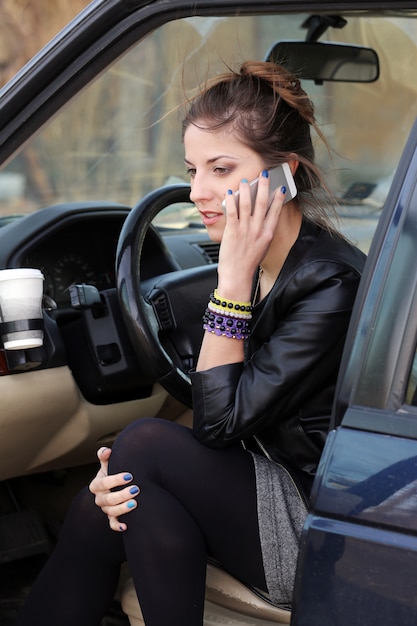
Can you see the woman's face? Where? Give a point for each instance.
(217, 161)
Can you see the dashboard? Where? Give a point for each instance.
(82, 252)
(76, 243)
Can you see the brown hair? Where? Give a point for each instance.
(273, 115)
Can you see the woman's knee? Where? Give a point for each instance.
(142, 442)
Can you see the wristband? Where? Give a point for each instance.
(226, 326)
(235, 305)
(246, 315)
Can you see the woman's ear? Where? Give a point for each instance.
(293, 166)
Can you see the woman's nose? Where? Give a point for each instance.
(199, 190)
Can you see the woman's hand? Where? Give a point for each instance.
(247, 237)
(113, 503)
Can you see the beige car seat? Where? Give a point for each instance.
(226, 599)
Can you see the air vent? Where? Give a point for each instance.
(210, 250)
(163, 311)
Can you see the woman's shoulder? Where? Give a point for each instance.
(318, 260)
(317, 245)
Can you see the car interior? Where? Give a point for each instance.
(98, 200)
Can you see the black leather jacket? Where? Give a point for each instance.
(279, 400)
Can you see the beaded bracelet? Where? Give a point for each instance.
(231, 334)
(246, 315)
(224, 303)
(226, 326)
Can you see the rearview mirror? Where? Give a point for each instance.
(326, 61)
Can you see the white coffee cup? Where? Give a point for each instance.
(21, 316)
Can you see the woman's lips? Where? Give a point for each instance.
(210, 217)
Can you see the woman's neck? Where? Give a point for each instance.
(285, 236)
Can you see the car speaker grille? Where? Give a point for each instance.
(210, 250)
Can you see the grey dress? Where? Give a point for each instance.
(281, 516)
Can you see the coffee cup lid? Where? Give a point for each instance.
(22, 272)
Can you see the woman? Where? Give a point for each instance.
(236, 487)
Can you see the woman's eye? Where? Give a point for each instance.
(221, 170)
(190, 171)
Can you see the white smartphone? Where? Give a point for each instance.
(278, 176)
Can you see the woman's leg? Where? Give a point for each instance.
(79, 580)
(193, 501)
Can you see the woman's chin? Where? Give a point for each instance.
(214, 233)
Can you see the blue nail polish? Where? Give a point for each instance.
(265, 173)
(127, 477)
(121, 527)
(244, 180)
(283, 189)
(229, 191)
(131, 504)
(134, 490)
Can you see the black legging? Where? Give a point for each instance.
(194, 502)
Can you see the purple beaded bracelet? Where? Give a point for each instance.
(231, 327)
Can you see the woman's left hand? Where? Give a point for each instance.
(113, 503)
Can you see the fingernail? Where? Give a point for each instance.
(244, 180)
(134, 490)
(229, 191)
(102, 450)
(127, 477)
(283, 189)
(131, 504)
(121, 528)
(265, 173)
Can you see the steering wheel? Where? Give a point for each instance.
(162, 314)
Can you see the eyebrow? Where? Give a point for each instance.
(216, 158)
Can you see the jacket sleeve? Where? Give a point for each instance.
(297, 346)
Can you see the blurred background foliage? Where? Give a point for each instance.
(27, 25)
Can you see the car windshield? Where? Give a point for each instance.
(120, 137)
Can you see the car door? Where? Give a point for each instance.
(358, 559)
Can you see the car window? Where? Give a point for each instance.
(120, 138)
